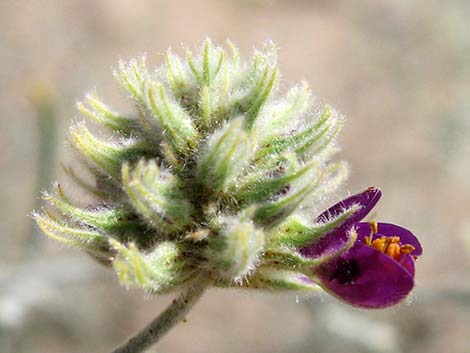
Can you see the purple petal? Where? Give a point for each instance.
(330, 246)
(366, 199)
(365, 277)
(408, 263)
(390, 230)
(335, 242)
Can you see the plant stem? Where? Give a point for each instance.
(156, 329)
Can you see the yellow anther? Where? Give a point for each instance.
(380, 244)
(393, 250)
(407, 249)
(388, 245)
(374, 228)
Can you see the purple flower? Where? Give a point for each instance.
(378, 269)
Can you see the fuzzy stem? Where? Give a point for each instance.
(156, 329)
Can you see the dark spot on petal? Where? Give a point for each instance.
(347, 272)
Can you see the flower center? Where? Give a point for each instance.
(390, 246)
(347, 272)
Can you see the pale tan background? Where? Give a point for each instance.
(399, 71)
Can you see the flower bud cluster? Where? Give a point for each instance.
(207, 177)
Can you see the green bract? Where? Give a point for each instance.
(208, 177)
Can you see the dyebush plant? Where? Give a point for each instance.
(213, 181)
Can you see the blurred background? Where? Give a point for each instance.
(399, 71)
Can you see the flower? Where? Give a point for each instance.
(378, 270)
